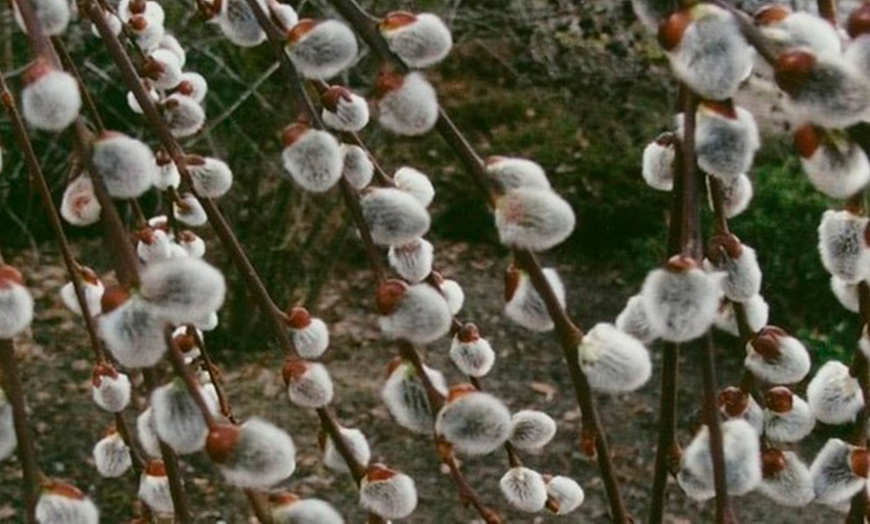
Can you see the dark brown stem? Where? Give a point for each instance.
(183, 371)
(70, 66)
(724, 513)
(214, 375)
(667, 427)
(124, 432)
(828, 11)
(466, 493)
(26, 449)
(352, 201)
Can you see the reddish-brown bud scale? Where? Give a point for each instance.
(859, 21)
(298, 318)
(779, 399)
(186, 236)
(397, 19)
(807, 140)
(666, 139)
(162, 157)
(156, 468)
(680, 263)
(460, 390)
(766, 342)
(185, 342)
(727, 243)
(113, 297)
(293, 369)
(146, 235)
(672, 28)
(733, 401)
(110, 430)
(511, 283)
(302, 28)
(469, 333)
(100, 371)
(379, 472)
(56, 487)
(771, 14)
(10, 276)
(860, 461)
(185, 88)
(138, 22)
(388, 81)
(772, 462)
(283, 498)
(389, 295)
(221, 442)
(171, 103)
(493, 160)
(792, 69)
(35, 71)
(587, 443)
(331, 97)
(724, 108)
(88, 275)
(137, 7)
(195, 160)
(292, 133)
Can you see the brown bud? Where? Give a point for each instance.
(779, 399)
(672, 29)
(102, 370)
(377, 472)
(10, 276)
(185, 342)
(331, 97)
(387, 81)
(771, 14)
(155, 468)
(468, 333)
(859, 21)
(137, 7)
(666, 139)
(680, 263)
(302, 28)
(772, 462)
(36, 70)
(113, 297)
(727, 243)
(733, 401)
(221, 442)
(146, 235)
(397, 19)
(292, 133)
(724, 108)
(138, 23)
(394, 364)
(293, 369)
(807, 140)
(152, 69)
(389, 295)
(792, 69)
(298, 318)
(860, 462)
(460, 390)
(282, 498)
(511, 282)
(766, 342)
(64, 489)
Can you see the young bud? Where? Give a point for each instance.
(407, 105)
(735, 403)
(756, 315)
(308, 383)
(787, 418)
(113, 21)
(183, 115)
(163, 68)
(835, 478)
(475, 423)
(742, 461)
(183, 289)
(726, 139)
(147, 434)
(534, 219)
(387, 493)
(50, 100)
(16, 304)
(93, 290)
(394, 216)
(52, 15)
(255, 455)
(153, 245)
(167, 175)
(79, 205)
(613, 361)
(786, 479)
(177, 418)
(633, 321)
(706, 50)
(788, 30)
(736, 195)
(417, 313)
(321, 49)
(288, 509)
(310, 335)
(681, 300)
(453, 295)
(846, 293)
(127, 9)
(193, 85)
(284, 14)
(524, 488)
(125, 164)
(238, 23)
(60, 502)
(824, 90)
(312, 157)
(835, 164)
(658, 162)
(357, 168)
(405, 397)
(412, 260)
(419, 40)
(154, 489)
(843, 244)
(110, 389)
(355, 440)
(112, 456)
(524, 305)
(189, 211)
(8, 440)
(210, 177)
(415, 184)
(740, 265)
(775, 357)
(470, 353)
(133, 332)
(171, 44)
(531, 429)
(565, 495)
(512, 173)
(834, 394)
(344, 110)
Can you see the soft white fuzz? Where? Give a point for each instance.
(50, 102)
(412, 260)
(394, 216)
(409, 108)
(534, 219)
(356, 441)
(126, 165)
(525, 306)
(531, 429)
(613, 361)
(566, 493)
(237, 22)
(212, 178)
(680, 302)
(79, 205)
(183, 289)
(524, 488)
(476, 423)
(415, 184)
(512, 173)
(834, 394)
(313, 159)
(112, 456)
(420, 40)
(393, 497)
(357, 167)
(406, 399)
(657, 168)
(322, 49)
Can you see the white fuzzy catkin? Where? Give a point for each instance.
(133, 333)
(147, 434)
(51, 102)
(566, 493)
(167, 173)
(777, 358)
(312, 340)
(171, 44)
(524, 488)
(147, 30)
(834, 394)
(16, 308)
(476, 423)
(153, 245)
(415, 184)
(474, 358)
(790, 486)
(531, 429)
(842, 245)
(834, 482)
(394, 497)
(837, 167)
(526, 307)
(52, 16)
(163, 68)
(314, 160)
(8, 440)
(306, 511)
(792, 425)
(111, 456)
(799, 29)
(420, 316)
(680, 304)
(846, 293)
(613, 361)
(534, 219)
(657, 168)
(193, 85)
(734, 403)
(756, 310)
(110, 389)
(406, 399)
(192, 243)
(410, 108)
(311, 387)
(189, 211)
(183, 289)
(453, 295)
(61, 504)
(237, 22)
(177, 418)
(736, 196)
(742, 272)
(394, 216)
(420, 40)
(356, 442)
(79, 205)
(183, 115)
(93, 294)
(725, 145)
(633, 320)
(211, 179)
(321, 49)
(263, 455)
(357, 167)
(512, 173)
(412, 260)
(284, 14)
(346, 111)
(712, 57)
(154, 492)
(126, 165)
(742, 453)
